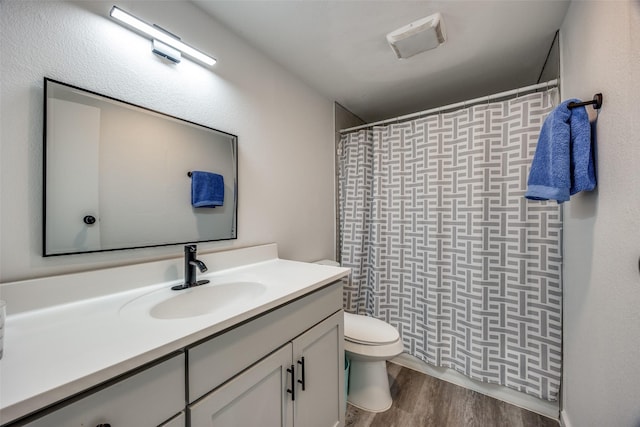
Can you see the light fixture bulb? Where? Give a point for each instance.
(157, 34)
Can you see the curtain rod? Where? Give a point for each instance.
(549, 84)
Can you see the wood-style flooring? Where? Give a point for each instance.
(420, 400)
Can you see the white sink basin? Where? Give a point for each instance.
(192, 302)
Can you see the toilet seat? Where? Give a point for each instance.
(367, 330)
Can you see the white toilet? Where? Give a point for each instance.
(369, 343)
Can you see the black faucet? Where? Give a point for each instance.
(190, 264)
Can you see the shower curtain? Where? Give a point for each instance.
(443, 245)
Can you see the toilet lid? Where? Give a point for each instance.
(368, 330)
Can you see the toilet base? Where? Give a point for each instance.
(369, 385)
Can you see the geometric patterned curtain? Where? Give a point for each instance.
(443, 245)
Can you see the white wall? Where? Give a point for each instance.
(600, 48)
(285, 129)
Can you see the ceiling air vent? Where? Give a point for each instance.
(419, 36)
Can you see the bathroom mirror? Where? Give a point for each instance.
(117, 176)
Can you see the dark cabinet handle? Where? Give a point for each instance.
(292, 390)
(89, 220)
(103, 425)
(301, 363)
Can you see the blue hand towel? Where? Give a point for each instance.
(207, 189)
(563, 161)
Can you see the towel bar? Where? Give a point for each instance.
(596, 102)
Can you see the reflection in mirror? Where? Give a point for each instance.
(117, 176)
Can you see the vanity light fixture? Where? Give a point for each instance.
(165, 44)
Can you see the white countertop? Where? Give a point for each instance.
(55, 352)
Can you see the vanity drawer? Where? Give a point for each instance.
(215, 361)
(148, 398)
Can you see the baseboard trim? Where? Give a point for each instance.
(522, 400)
(564, 419)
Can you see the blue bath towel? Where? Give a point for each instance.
(207, 189)
(563, 161)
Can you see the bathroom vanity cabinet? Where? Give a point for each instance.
(297, 385)
(281, 368)
(78, 355)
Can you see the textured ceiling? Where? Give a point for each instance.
(339, 47)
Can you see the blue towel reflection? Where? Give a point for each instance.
(207, 189)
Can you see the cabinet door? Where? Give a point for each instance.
(320, 351)
(179, 420)
(256, 397)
